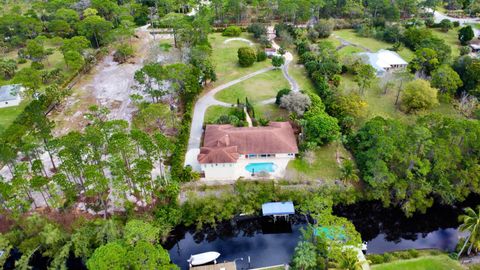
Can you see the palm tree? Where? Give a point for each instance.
(471, 223)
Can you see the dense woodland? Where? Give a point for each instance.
(106, 168)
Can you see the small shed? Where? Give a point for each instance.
(10, 95)
(278, 209)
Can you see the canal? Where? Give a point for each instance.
(267, 243)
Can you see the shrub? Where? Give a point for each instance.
(280, 94)
(257, 30)
(456, 24)
(446, 25)
(418, 95)
(246, 56)
(22, 60)
(37, 65)
(464, 50)
(376, 258)
(413, 253)
(261, 56)
(324, 28)
(232, 31)
(278, 61)
(465, 34)
(263, 122)
(387, 257)
(123, 52)
(429, 22)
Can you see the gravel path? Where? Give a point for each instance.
(208, 99)
(250, 43)
(440, 16)
(200, 109)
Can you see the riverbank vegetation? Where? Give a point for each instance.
(115, 189)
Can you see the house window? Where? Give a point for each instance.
(263, 155)
(291, 154)
(252, 156)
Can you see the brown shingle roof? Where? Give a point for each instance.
(225, 143)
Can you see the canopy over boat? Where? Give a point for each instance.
(278, 209)
(203, 258)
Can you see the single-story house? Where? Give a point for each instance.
(475, 45)
(10, 95)
(229, 152)
(384, 61)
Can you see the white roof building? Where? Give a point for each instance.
(384, 61)
(10, 95)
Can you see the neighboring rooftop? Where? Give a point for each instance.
(475, 44)
(384, 59)
(225, 143)
(9, 92)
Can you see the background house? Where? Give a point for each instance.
(10, 95)
(475, 46)
(384, 61)
(229, 152)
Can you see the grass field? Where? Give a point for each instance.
(325, 166)
(226, 60)
(271, 112)
(213, 112)
(8, 115)
(52, 61)
(370, 43)
(261, 87)
(441, 262)
(299, 73)
(451, 38)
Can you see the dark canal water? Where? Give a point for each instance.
(266, 243)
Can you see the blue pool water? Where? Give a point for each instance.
(261, 167)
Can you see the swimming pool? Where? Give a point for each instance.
(261, 167)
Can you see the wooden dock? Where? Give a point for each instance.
(218, 266)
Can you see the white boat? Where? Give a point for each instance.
(203, 258)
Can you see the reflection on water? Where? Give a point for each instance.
(388, 229)
(385, 229)
(265, 243)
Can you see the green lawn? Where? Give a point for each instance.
(226, 60)
(325, 166)
(349, 50)
(441, 262)
(261, 87)
(7, 115)
(450, 38)
(334, 41)
(213, 112)
(380, 104)
(370, 43)
(299, 73)
(271, 112)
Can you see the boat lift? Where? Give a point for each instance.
(278, 209)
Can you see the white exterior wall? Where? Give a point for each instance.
(233, 171)
(10, 103)
(219, 171)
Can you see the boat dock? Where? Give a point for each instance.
(218, 266)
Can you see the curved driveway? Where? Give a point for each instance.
(208, 99)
